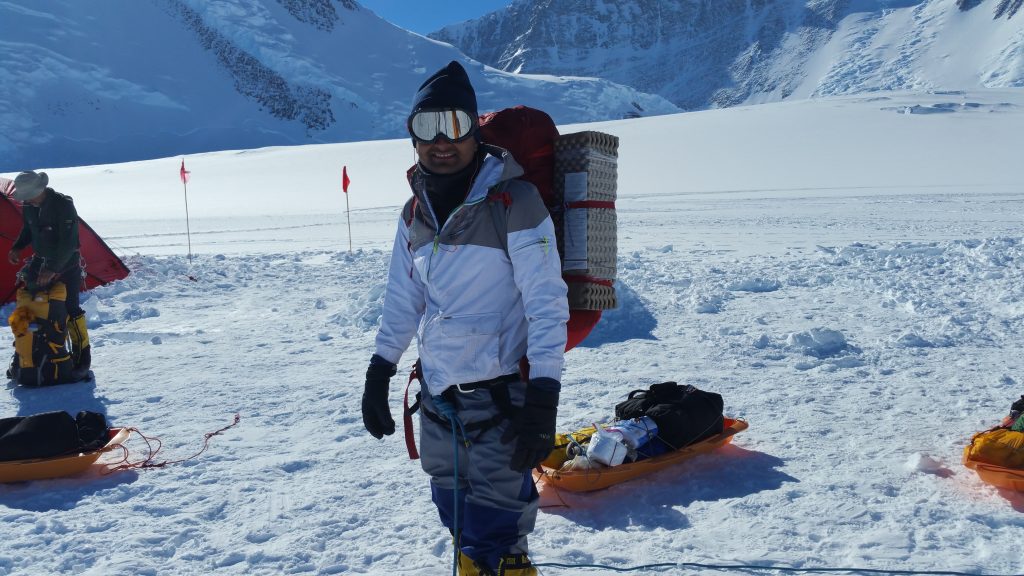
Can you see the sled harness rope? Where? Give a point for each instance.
(754, 567)
(147, 462)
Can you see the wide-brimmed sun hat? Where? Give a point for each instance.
(29, 184)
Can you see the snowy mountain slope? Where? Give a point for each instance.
(713, 53)
(134, 79)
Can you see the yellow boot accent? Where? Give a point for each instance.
(466, 566)
(79, 334)
(20, 322)
(516, 565)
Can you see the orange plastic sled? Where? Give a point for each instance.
(597, 479)
(1010, 478)
(56, 467)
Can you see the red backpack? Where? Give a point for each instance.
(530, 136)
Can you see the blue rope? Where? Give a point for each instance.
(667, 565)
(448, 411)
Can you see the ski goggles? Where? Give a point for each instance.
(429, 125)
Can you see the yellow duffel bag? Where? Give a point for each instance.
(1001, 447)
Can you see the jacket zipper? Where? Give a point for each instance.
(437, 234)
(543, 240)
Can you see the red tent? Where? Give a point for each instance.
(102, 265)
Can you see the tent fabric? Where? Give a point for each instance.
(102, 265)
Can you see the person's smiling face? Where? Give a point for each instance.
(443, 156)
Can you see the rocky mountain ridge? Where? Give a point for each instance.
(715, 53)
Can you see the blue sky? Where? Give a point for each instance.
(425, 17)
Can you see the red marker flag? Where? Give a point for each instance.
(348, 216)
(184, 173)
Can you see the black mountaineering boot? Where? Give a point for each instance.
(512, 565)
(12, 371)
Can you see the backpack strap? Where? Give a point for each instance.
(499, 200)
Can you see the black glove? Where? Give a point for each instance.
(533, 426)
(376, 413)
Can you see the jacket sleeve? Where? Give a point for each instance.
(538, 275)
(25, 237)
(404, 300)
(65, 228)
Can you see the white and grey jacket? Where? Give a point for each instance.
(484, 290)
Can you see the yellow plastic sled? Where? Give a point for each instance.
(999, 476)
(59, 466)
(995, 455)
(1010, 478)
(597, 479)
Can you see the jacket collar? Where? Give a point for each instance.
(498, 166)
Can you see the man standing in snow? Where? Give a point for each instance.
(50, 225)
(478, 282)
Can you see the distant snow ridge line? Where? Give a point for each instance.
(309, 105)
(318, 13)
(965, 5)
(1006, 8)
(951, 107)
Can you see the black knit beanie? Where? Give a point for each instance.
(448, 88)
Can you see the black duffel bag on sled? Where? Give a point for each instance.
(51, 434)
(684, 414)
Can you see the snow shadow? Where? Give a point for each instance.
(71, 398)
(653, 501)
(1016, 499)
(632, 320)
(61, 493)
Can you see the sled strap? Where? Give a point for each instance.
(407, 412)
(583, 278)
(608, 205)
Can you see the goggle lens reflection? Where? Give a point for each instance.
(428, 126)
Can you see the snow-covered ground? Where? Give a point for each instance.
(847, 273)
